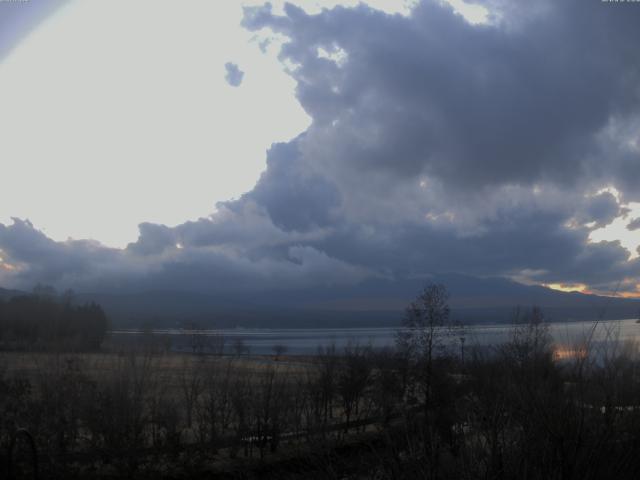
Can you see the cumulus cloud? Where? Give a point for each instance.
(293, 194)
(436, 146)
(634, 224)
(473, 106)
(233, 74)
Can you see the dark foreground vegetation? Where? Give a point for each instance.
(427, 409)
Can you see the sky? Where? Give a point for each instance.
(241, 146)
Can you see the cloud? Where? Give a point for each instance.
(602, 209)
(436, 146)
(234, 75)
(472, 106)
(211, 255)
(634, 224)
(294, 195)
(35, 256)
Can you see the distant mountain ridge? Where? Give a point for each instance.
(6, 294)
(371, 303)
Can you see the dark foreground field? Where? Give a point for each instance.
(523, 410)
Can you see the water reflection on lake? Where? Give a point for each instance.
(567, 336)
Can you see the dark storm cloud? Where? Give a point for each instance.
(41, 259)
(471, 105)
(602, 209)
(233, 74)
(542, 99)
(153, 263)
(513, 242)
(436, 146)
(154, 239)
(295, 197)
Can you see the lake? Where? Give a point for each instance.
(566, 335)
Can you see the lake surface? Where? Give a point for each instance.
(566, 335)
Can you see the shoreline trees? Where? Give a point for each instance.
(40, 321)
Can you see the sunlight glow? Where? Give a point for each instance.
(618, 231)
(472, 12)
(635, 294)
(110, 129)
(567, 287)
(568, 353)
(337, 55)
(107, 130)
(7, 267)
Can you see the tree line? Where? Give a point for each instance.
(43, 320)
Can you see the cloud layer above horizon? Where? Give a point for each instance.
(436, 145)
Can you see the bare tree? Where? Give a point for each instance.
(215, 410)
(387, 384)
(423, 332)
(278, 350)
(328, 365)
(191, 384)
(353, 379)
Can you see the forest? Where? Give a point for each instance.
(43, 320)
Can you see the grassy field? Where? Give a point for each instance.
(355, 413)
(84, 408)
